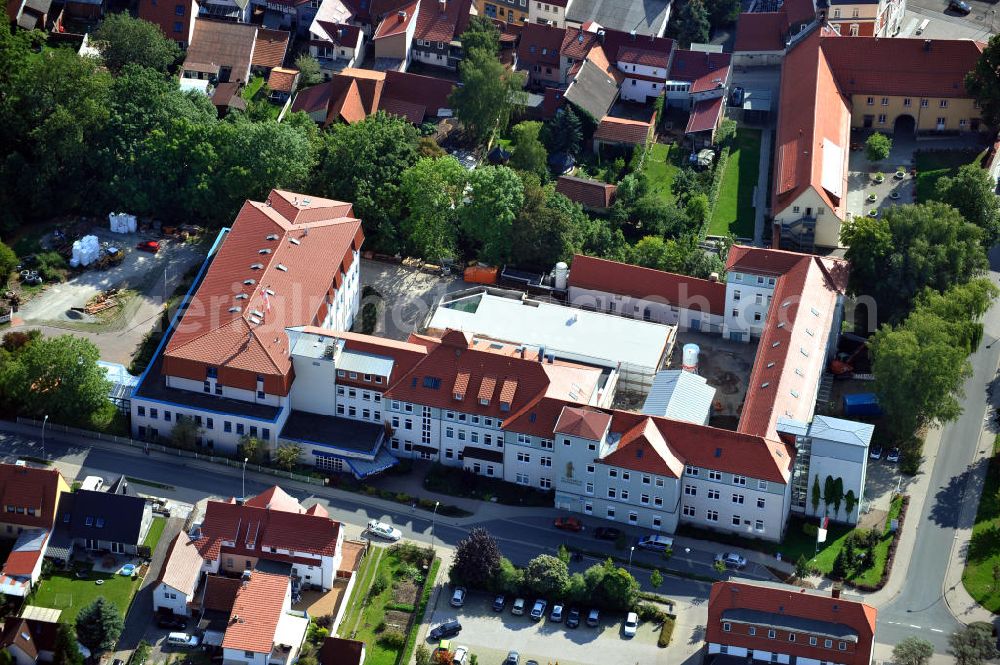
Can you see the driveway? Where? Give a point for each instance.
(490, 635)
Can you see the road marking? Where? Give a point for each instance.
(937, 630)
(912, 626)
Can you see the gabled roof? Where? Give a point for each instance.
(442, 20)
(705, 71)
(313, 99)
(592, 89)
(341, 34)
(761, 31)
(582, 422)
(275, 498)
(638, 55)
(588, 272)
(430, 92)
(799, 11)
(577, 43)
(790, 610)
(643, 448)
(256, 611)
(182, 567)
(220, 593)
(623, 130)
(163, 14)
(592, 194)
(28, 549)
(113, 517)
(31, 636)
(283, 256)
(282, 80)
(618, 43)
(222, 44)
(341, 651)
(25, 487)
(539, 45)
(270, 48)
(704, 116)
(397, 22)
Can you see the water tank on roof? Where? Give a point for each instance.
(690, 358)
(562, 273)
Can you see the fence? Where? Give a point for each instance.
(128, 441)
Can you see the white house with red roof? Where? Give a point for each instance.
(262, 628)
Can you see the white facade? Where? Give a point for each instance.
(642, 81)
(656, 310)
(548, 13)
(167, 598)
(748, 298)
(739, 504)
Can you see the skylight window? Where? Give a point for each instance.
(272, 236)
(256, 266)
(282, 267)
(249, 282)
(294, 241)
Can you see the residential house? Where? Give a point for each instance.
(287, 15)
(341, 651)
(593, 195)
(29, 497)
(393, 38)
(262, 628)
(337, 46)
(29, 14)
(623, 132)
(539, 54)
(594, 84)
(100, 521)
(175, 588)
(551, 13)
(832, 84)
(507, 11)
(269, 51)
(439, 25)
(29, 641)
(23, 566)
(174, 17)
(220, 51)
(282, 83)
(774, 623)
(227, 367)
(226, 97)
(760, 39)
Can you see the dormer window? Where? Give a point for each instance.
(484, 402)
(505, 406)
(89, 521)
(458, 397)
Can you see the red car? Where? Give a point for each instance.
(151, 246)
(568, 524)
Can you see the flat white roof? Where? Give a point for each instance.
(572, 334)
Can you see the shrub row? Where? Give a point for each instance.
(666, 631)
(892, 552)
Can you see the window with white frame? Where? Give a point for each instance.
(761, 502)
(688, 511)
(690, 490)
(738, 499)
(545, 483)
(737, 520)
(524, 458)
(762, 484)
(739, 480)
(712, 515)
(713, 494)
(715, 475)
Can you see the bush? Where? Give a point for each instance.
(410, 553)
(650, 612)
(810, 529)
(666, 631)
(51, 266)
(379, 584)
(407, 571)
(324, 621)
(400, 607)
(392, 639)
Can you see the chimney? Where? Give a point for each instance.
(927, 45)
(443, 6)
(714, 277)
(631, 35)
(401, 15)
(541, 354)
(835, 591)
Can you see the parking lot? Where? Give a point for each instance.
(490, 635)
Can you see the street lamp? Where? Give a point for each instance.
(433, 515)
(44, 421)
(243, 496)
(630, 552)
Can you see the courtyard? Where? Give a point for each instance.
(72, 590)
(725, 364)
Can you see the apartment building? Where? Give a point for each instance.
(870, 18)
(776, 623)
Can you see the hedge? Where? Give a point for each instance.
(666, 631)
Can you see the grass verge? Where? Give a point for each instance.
(734, 212)
(154, 533)
(933, 164)
(981, 576)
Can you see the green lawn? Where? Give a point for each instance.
(155, 531)
(734, 211)
(252, 88)
(661, 166)
(933, 165)
(65, 592)
(984, 548)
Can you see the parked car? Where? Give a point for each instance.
(171, 621)
(631, 624)
(568, 524)
(531, 662)
(893, 456)
(593, 618)
(383, 530)
(557, 613)
(183, 640)
(875, 452)
(499, 602)
(151, 246)
(538, 611)
(607, 533)
(732, 560)
(655, 542)
(959, 6)
(449, 628)
(460, 656)
(458, 597)
(517, 609)
(573, 618)
(513, 658)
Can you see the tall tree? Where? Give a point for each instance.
(564, 132)
(973, 644)
(528, 152)
(489, 92)
(912, 650)
(910, 248)
(8, 261)
(477, 560)
(310, 72)
(432, 190)
(722, 12)
(971, 192)
(363, 163)
(546, 576)
(496, 196)
(983, 82)
(481, 34)
(66, 650)
(693, 25)
(98, 625)
(877, 147)
(123, 40)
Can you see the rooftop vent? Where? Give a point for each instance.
(256, 266)
(770, 364)
(241, 296)
(765, 384)
(257, 313)
(264, 251)
(775, 345)
(294, 241)
(235, 310)
(282, 267)
(249, 282)
(269, 292)
(272, 236)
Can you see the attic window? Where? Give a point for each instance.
(432, 382)
(781, 324)
(66, 518)
(100, 522)
(803, 351)
(770, 364)
(798, 370)
(264, 251)
(718, 452)
(775, 345)
(786, 303)
(241, 296)
(815, 312)
(532, 417)
(484, 401)
(256, 266)
(795, 393)
(638, 453)
(811, 333)
(269, 292)
(272, 236)
(294, 241)
(282, 267)
(257, 313)
(89, 521)
(249, 282)
(255, 320)
(235, 310)
(459, 396)
(765, 384)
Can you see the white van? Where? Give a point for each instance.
(182, 640)
(94, 483)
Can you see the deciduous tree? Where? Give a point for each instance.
(528, 152)
(971, 192)
(310, 72)
(974, 644)
(912, 650)
(983, 82)
(693, 25)
(488, 94)
(287, 455)
(546, 576)
(877, 147)
(123, 40)
(432, 190)
(496, 196)
(481, 34)
(477, 560)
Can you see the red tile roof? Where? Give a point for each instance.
(791, 354)
(26, 487)
(617, 42)
(313, 99)
(220, 593)
(29, 635)
(417, 90)
(637, 55)
(799, 11)
(577, 43)
(282, 80)
(588, 272)
(741, 603)
(592, 194)
(346, 104)
(705, 71)
(442, 20)
(256, 611)
(341, 34)
(164, 14)
(183, 564)
(275, 498)
(643, 448)
(396, 22)
(22, 562)
(704, 116)
(247, 336)
(761, 31)
(413, 113)
(341, 651)
(582, 422)
(539, 45)
(270, 48)
(623, 130)
(254, 530)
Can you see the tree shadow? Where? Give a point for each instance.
(946, 511)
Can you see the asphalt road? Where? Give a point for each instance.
(920, 607)
(983, 15)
